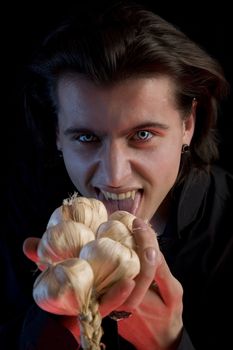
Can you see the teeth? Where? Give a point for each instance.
(120, 196)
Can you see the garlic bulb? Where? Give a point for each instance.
(117, 231)
(110, 261)
(63, 241)
(89, 211)
(56, 217)
(64, 288)
(85, 254)
(123, 216)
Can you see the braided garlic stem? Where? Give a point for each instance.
(90, 326)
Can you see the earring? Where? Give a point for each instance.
(60, 154)
(185, 148)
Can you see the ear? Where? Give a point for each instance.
(189, 124)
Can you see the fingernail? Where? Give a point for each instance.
(151, 255)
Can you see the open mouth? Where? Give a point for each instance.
(127, 201)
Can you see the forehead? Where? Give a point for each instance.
(120, 107)
(74, 87)
(74, 81)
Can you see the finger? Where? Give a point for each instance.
(149, 254)
(169, 287)
(30, 246)
(116, 296)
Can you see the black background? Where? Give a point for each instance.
(31, 202)
(26, 24)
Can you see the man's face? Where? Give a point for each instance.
(122, 143)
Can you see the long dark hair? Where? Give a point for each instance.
(121, 42)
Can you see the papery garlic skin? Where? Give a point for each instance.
(56, 217)
(63, 241)
(64, 288)
(89, 211)
(111, 261)
(123, 216)
(117, 231)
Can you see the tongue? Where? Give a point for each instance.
(129, 205)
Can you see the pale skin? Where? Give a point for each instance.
(124, 141)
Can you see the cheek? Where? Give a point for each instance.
(165, 163)
(171, 163)
(171, 155)
(77, 169)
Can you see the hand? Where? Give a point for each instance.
(30, 246)
(156, 321)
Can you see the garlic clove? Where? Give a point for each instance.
(64, 288)
(63, 241)
(110, 261)
(117, 231)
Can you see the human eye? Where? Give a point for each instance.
(86, 138)
(142, 135)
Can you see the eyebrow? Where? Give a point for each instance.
(149, 124)
(145, 125)
(75, 130)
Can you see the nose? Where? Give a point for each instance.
(115, 165)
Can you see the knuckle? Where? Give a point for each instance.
(177, 294)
